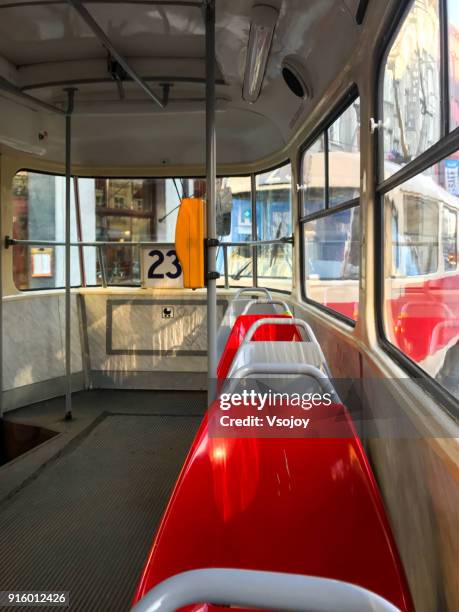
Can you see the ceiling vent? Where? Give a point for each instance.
(295, 78)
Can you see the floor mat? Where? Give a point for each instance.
(86, 522)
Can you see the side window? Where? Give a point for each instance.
(313, 176)
(415, 234)
(412, 88)
(331, 216)
(421, 296)
(343, 152)
(419, 276)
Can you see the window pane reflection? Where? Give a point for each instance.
(412, 116)
(234, 224)
(332, 260)
(344, 156)
(274, 220)
(38, 202)
(421, 270)
(313, 177)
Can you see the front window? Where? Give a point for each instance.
(122, 217)
(234, 224)
(38, 202)
(274, 221)
(110, 210)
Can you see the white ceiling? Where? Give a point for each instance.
(43, 47)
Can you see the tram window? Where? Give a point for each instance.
(414, 234)
(412, 99)
(449, 239)
(453, 46)
(344, 156)
(234, 224)
(38, 206)
(274, 220)
(332, 261)
(313, 177)
(421, 296)
(331, 237)
(128, 210)
(110, 210)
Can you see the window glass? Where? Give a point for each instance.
(421, 293)
(453, 45)
(449, 239)
(38, 203)
(332, 261)
(234, 224)
(412, 116)
(344, 156)
(415, 234)
(274, 220)
(313, 178)
(110, 210)
(128, 210)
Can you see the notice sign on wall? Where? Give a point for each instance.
(161, 268)
(42, 259)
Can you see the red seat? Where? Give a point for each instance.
(266, 333)
(305, 505)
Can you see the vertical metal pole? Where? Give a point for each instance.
(103, 271)
(76, 189)
(68, 304)
(1, 307)
(211, 172)
(253, 191)
(225, 265)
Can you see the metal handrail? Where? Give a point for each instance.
(261, 590)
(19, 242)
(286, 321)
(94, 243)
(252, 290)
(271, 301)
(284, 240)
(284, 369)
(100, 245)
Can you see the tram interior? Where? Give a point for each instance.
(337, 162)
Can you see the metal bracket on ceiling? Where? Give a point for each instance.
(118, 74)
(111, 49)
(166, 87)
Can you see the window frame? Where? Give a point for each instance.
(346, 101)
(446, 145)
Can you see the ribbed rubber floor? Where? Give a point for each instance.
(86, 522)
